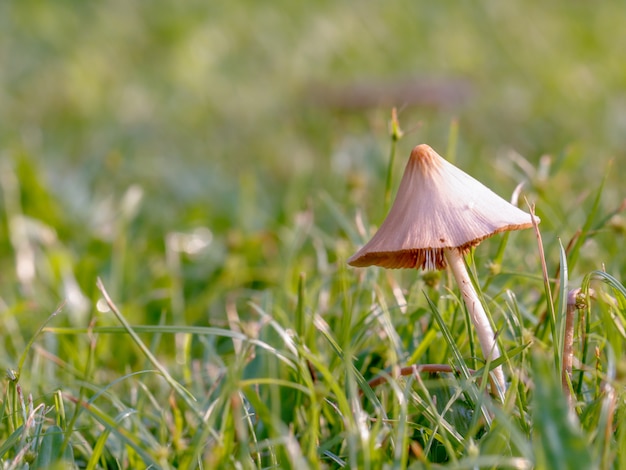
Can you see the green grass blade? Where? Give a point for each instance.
(300, 321)
(546, 285)
(395, 134)
(611, 281)
(561, 310)
(51, 451)
(187, 397)
(35, 336)
(586, 228)
(98, 449)
(156, 329)
(558, 439)
(127, 437)
(12, 441)
(458, 359)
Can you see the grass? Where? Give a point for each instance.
(178, 202)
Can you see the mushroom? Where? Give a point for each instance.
(439, 213)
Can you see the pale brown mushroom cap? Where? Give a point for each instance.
(437, 206)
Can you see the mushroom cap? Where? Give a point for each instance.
(437, 207)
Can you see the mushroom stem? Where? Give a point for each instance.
(486, 336)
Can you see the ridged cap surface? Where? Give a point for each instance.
(438, 206)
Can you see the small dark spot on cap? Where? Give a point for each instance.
(442, 240)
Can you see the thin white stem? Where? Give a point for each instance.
(486, 336)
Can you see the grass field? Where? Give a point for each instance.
(181, 184)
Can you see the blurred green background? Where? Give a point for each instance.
(183, 151)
